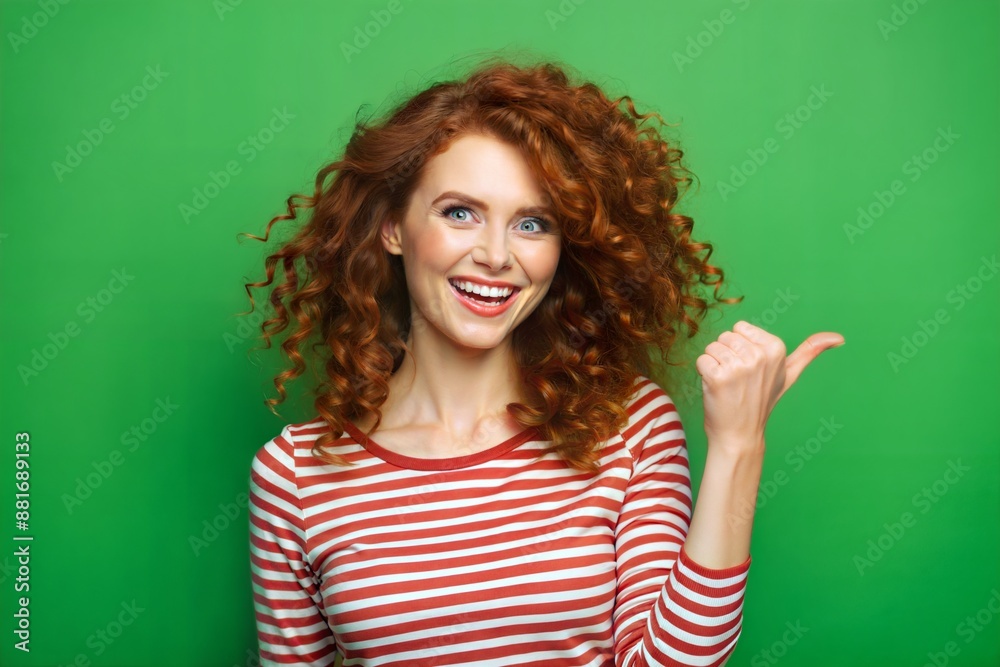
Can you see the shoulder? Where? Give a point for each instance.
(649, 401)
(653, 419)
(276, 458)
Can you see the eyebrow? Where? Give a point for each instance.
(524, 210)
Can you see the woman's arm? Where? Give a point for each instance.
(696, 617)
(719, 536)
(670, 608)
(744, 373)
(291, 628)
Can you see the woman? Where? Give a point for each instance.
(492, 477)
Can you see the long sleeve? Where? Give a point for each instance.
(291, 628)
(670, 610)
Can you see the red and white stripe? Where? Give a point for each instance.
(505, 557)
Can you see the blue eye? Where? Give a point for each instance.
(448, 211)
(543, 226)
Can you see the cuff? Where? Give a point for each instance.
(725, 577)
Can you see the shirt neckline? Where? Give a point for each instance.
(450, 463)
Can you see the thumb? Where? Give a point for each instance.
(806, 353)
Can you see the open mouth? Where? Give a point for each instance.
(486, 299)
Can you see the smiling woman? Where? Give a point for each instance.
(492, 477)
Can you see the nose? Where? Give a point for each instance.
(492, 247)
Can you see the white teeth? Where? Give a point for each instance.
(482, 290)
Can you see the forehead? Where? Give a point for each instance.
(483, 167)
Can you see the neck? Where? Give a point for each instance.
(452, 388)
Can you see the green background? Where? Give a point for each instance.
(783, 237)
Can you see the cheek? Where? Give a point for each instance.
(542, 263)
(432, 249)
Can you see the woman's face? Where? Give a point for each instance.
(477, 218)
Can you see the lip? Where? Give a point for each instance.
(481, 309)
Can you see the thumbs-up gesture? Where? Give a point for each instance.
(744, 373)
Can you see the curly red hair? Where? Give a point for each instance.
(627, 281)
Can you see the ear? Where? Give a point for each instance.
(391, 237)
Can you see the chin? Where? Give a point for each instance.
(479, 342)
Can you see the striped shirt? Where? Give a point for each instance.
(507, 556)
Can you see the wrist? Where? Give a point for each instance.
(737, 448)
